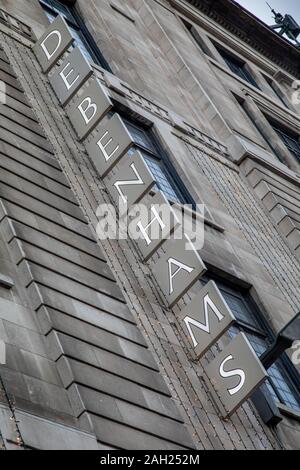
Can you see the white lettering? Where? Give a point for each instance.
(107, 226)
(48, 53)
(66, 76)
(180, 267)
(144, 229)
(138, 181)
(103, 147)
(207, 302)
(84, 107)
(232, 373)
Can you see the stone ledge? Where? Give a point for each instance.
(289, 412)
(16, 25)
(250, 150)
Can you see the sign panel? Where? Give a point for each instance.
(206, 319)
(154, 220)
(53, 44)
(178, 269)
(235, 374)
(87, 109)
(108, 144)
(129, 182)
(70, 75)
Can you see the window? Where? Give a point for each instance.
(291, 140)
(157, 164)
(260, 127)
(196, 36)
(274, 89)
(249, 320)
(83, 38)
(237, 66)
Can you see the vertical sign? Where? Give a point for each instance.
(153, 225)
(130, 181)
(53, 44)
(178, 269)
(237, 371)
(70, 75)
(108, 145)
(234, 375)
(88, 108)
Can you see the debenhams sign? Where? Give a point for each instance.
(236, 372)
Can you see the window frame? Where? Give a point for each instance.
(241, 101)
(230, 58)
(195, 36)
(280, 130)
(74, 19)
(267, 129)
(263, 331)
(272, 84)
(159, 154)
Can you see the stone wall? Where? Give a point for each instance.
(96, 330)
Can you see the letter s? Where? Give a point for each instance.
(232, 373)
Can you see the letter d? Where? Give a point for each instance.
(53, 44)
(54, 40)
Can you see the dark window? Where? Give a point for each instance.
(250, 321)
(274, 89)
(160, 168)
(83, 38)
(237, 66)
(196, 36)
(259, 129)
(290, 140)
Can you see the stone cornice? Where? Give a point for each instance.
(16, 25)
(118, 89)
(249, 29)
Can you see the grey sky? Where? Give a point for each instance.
(262, 11)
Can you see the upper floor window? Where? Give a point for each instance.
(273, 87)
(237, 66)
(291, 140)
(196, 36)
(82, 36)
(280, 383)
(164, 175)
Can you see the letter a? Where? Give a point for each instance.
(180, 266)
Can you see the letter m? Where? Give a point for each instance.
(207, 304)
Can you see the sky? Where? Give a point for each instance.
(260, 9)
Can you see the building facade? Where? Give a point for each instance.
(93, 357)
